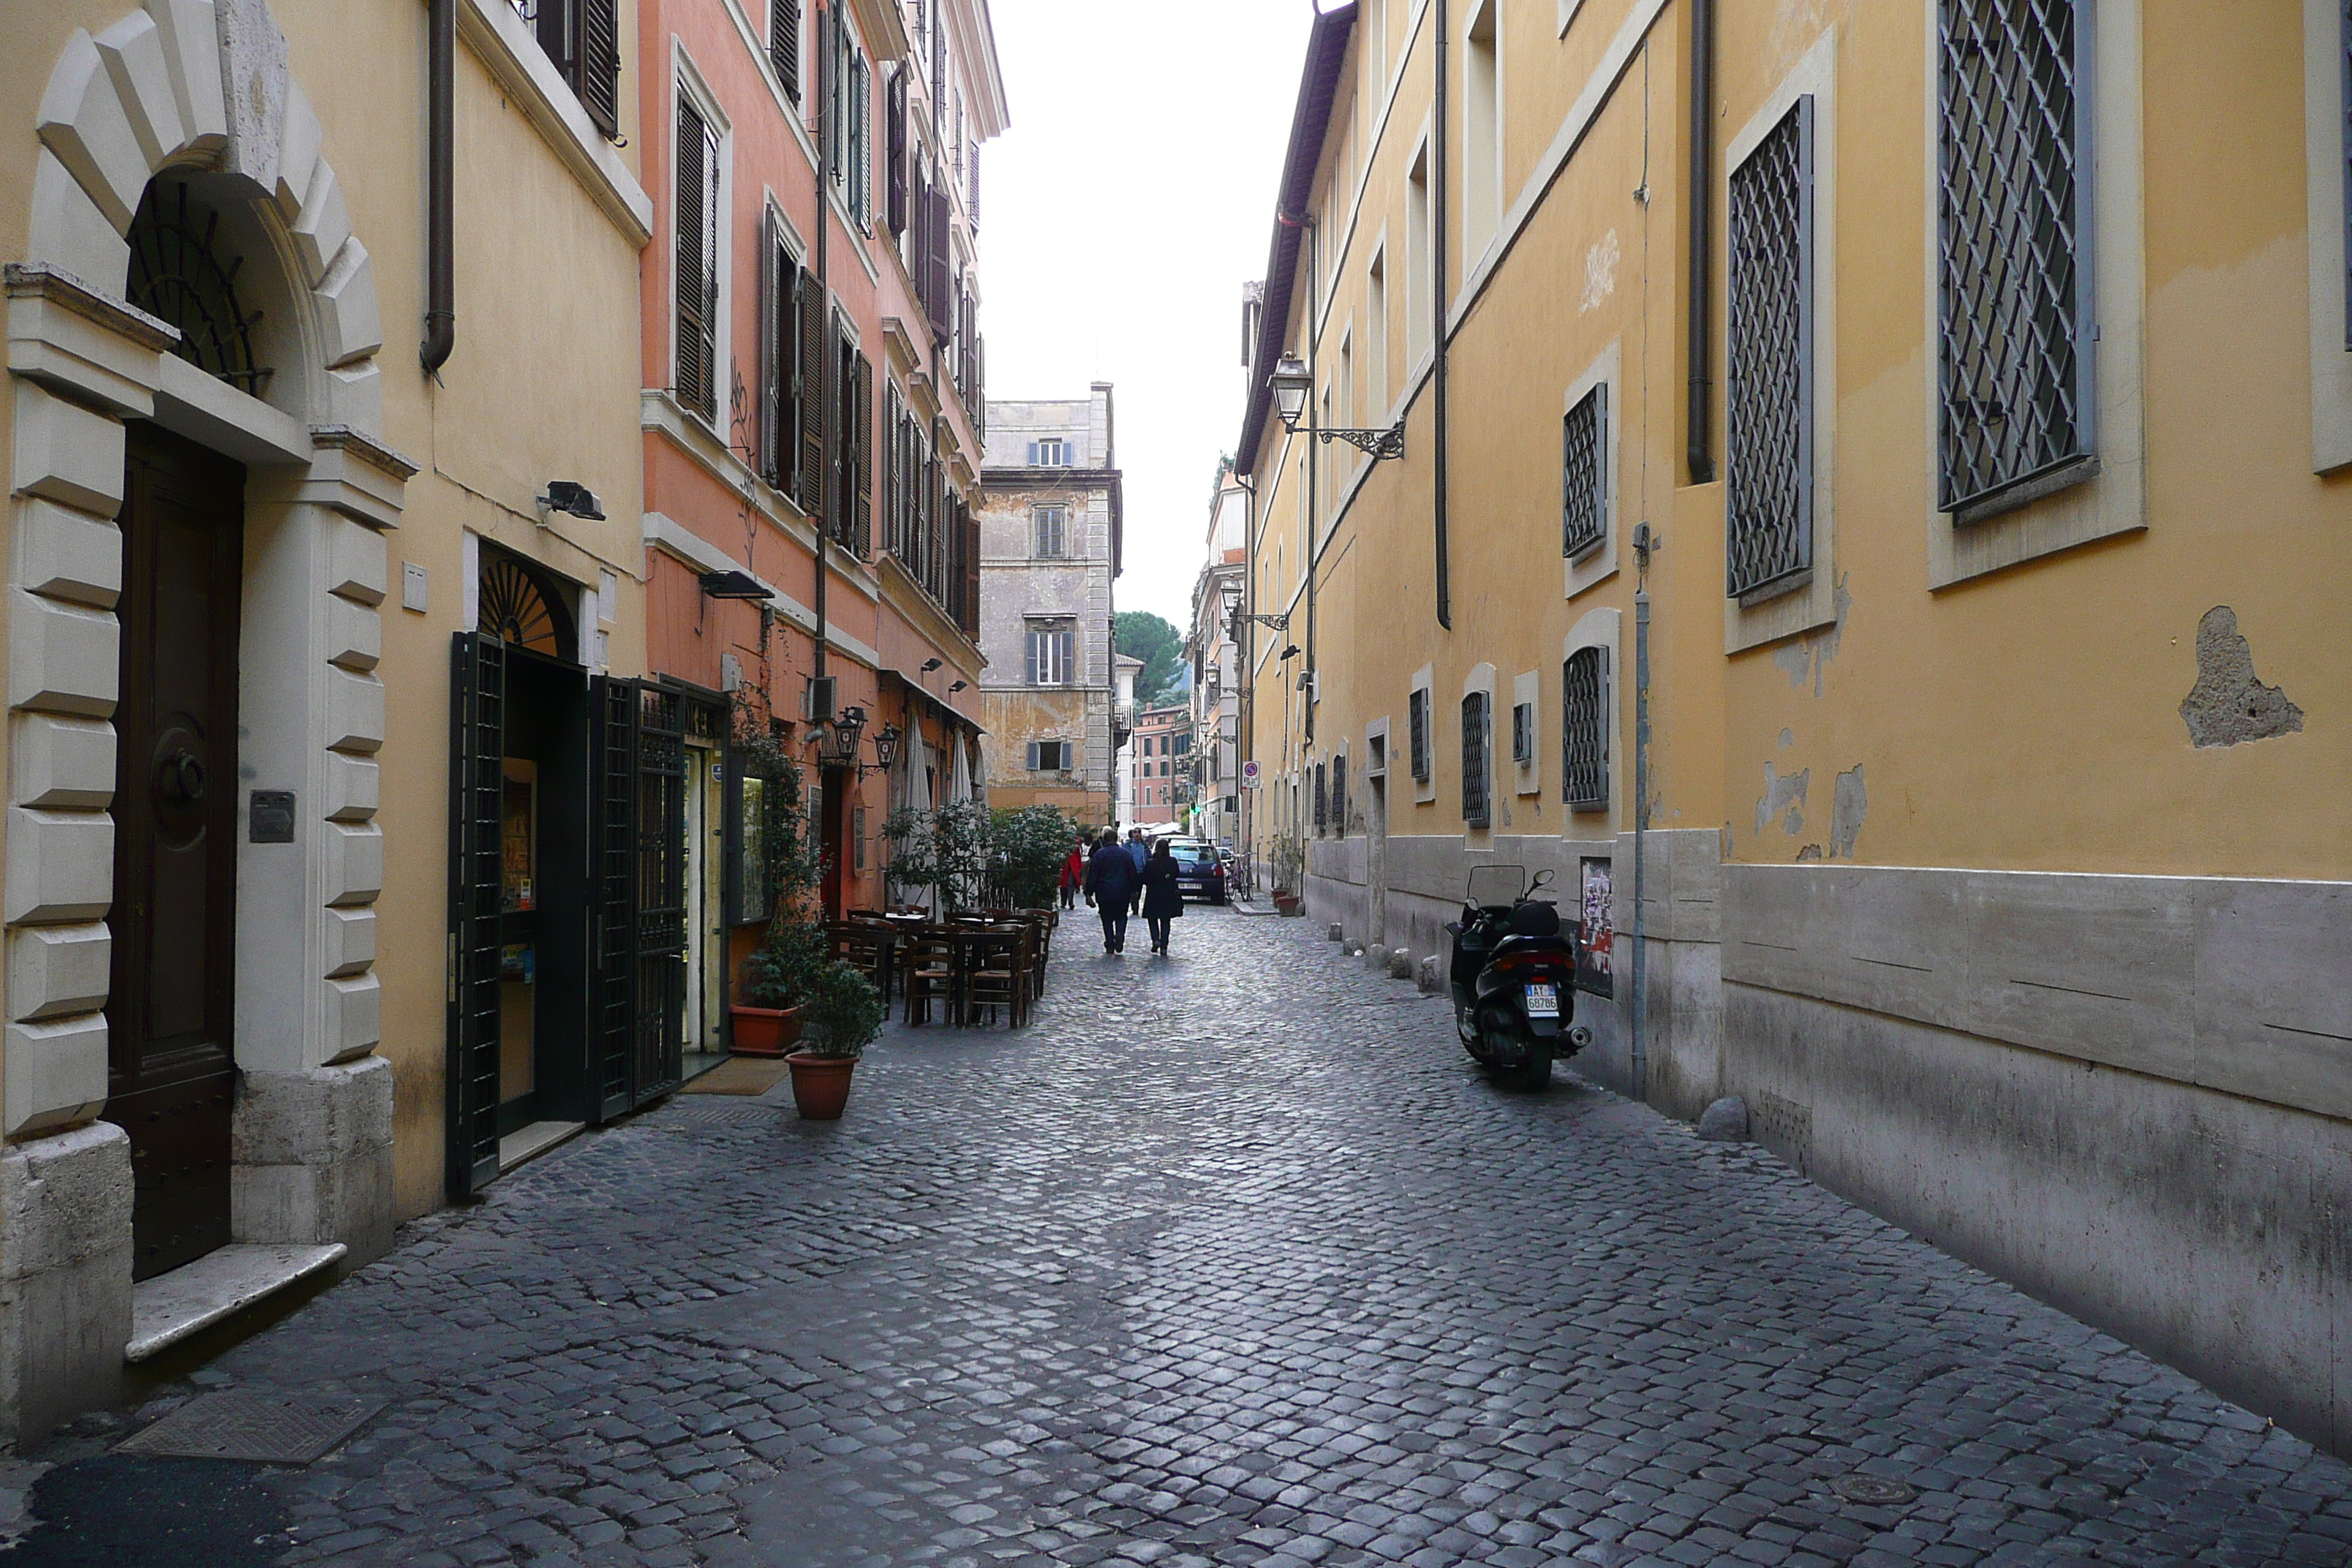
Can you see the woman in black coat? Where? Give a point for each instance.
(1163, 900)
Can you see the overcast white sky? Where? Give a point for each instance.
(1120, 217)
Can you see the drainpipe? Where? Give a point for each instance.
(1438, 230)
(1638, 1062)
(440, 180)
(1314, 513)
(1700, 414)
(824, 305)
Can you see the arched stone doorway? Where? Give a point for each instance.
(199, 494)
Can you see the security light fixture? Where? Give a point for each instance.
(932, 664)
(959, 686)
(732, 585)
(572, 495)
(1290, 652)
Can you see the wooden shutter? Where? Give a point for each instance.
(895, 212)
(887, 461)
(1032, 752)
(862, 457)
(970, 619)
(784, 44)
(1036, 649)
(939, 67)
(937, 304)
(768, 444)
(691, 373)
(809, 397)
(600, 64)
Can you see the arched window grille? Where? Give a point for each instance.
(180, 274)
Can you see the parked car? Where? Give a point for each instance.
(1200, 872)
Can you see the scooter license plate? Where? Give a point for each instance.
(1543, 1001)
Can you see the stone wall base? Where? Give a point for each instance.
(311, 1157)
(2212, 1231)
(65, 1277)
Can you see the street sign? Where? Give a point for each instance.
(1249, 775)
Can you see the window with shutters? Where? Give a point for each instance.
(696, 208)
(582, 39)
(1417, 709)
(1053, 647)
(1769, 403)
(1585, 729)
(779, 430)
(784, 44)
(1339, 796)
(1051, 756)
(1050, 454)
(2014, 226)
(1052, 533)
(894, 160)
(1584, 491)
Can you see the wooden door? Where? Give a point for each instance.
(171, 1052)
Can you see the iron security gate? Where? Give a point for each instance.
(660, 890)
(476, 790)
(638, 812)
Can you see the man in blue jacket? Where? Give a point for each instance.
(1112, 882)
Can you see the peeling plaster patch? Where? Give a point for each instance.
(1809, 655)
(1848, 807)
(1599, 273)
(1810, 853)
(2229, 704)
(1787, 739)
(1784, 798)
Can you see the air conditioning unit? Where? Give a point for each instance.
(817, 700)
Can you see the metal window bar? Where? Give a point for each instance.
(1339, 796)
(1584, 492)
(1476, 809)
(1417, 708)
(1770, 423)
(1322, 803)
(1584, 731)
(2013, 225)
(1523, 732)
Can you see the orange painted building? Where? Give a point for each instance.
(811, 393)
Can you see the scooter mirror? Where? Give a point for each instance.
(1543, 879)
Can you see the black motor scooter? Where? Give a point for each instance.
(1514, 979)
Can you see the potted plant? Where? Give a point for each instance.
(774, 981)
(942, 852)
(1027, 845)
(1289, 872)
(842, 1017)
(775, 985)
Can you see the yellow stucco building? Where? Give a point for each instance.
(1902, 444)
(323, 354)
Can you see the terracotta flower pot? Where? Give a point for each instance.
(765, 1031)
(1286, 903)
(820, 1085)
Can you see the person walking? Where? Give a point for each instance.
(1137, 849)
(1074, 873)
(1110, 889)
(1163, 896)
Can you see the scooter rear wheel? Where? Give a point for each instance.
(1533, 1073)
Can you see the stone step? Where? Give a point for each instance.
(193, 1297)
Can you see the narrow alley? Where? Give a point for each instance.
(1232, 1258)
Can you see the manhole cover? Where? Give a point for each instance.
(1876, 1491)
(263, 1429)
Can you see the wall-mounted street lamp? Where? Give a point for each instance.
(837, 742)
(1292, 386)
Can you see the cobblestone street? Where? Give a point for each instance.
(1229, 1258)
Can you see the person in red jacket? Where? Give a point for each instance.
(1074, 874)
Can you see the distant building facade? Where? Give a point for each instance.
(1050, 526)
(1160, 767)
(1216, 806)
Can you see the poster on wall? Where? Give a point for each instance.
(1596, 929)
